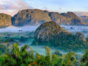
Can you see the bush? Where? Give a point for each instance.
(23, 39)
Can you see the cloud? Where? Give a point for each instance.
(21, 4)
(14, 4)
(9, 12)
(81, 13)
(11, 7)
(1, 7)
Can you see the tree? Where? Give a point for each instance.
(31, 54)
(23, 39)
(24, 48)
(3, 48)
(17, 57)
(8, 45)
(54, 59)
(47, 51)
(57, 53)
(15, 49)
(48, 54)
(84, 58)
(82, 64)
(70, 59)
(37, 57)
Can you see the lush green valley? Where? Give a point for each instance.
(43, 33)
(49, 34)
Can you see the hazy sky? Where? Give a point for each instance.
(13, 6)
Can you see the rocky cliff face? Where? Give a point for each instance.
(5, 20)
(57, 17)
(30, 16)
(35, 16)
(72, 19)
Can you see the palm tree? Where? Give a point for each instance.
(84, 59)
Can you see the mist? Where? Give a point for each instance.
(74, 29)
(29, 28)
(41, 49)
(18, 29)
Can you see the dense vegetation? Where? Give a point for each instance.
(13, 37)
(84, 59)
(64, 42)
(22, 57)
(3, 48)
(52, 27)
(51, 34)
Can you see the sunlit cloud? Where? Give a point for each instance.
(9, 12)
(81, 13)
(12, 6)
(1, 7)
(50, 5)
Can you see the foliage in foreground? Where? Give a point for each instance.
(21, 57)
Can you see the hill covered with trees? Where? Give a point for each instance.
(51, 34)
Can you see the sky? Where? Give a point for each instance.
(11, 7)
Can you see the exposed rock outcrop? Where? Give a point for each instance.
(35, 16)
(30, 17)
(5, 20)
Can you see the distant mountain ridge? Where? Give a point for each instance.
(84, 18)
(5, 20)
(36, 16)
(30, 16)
